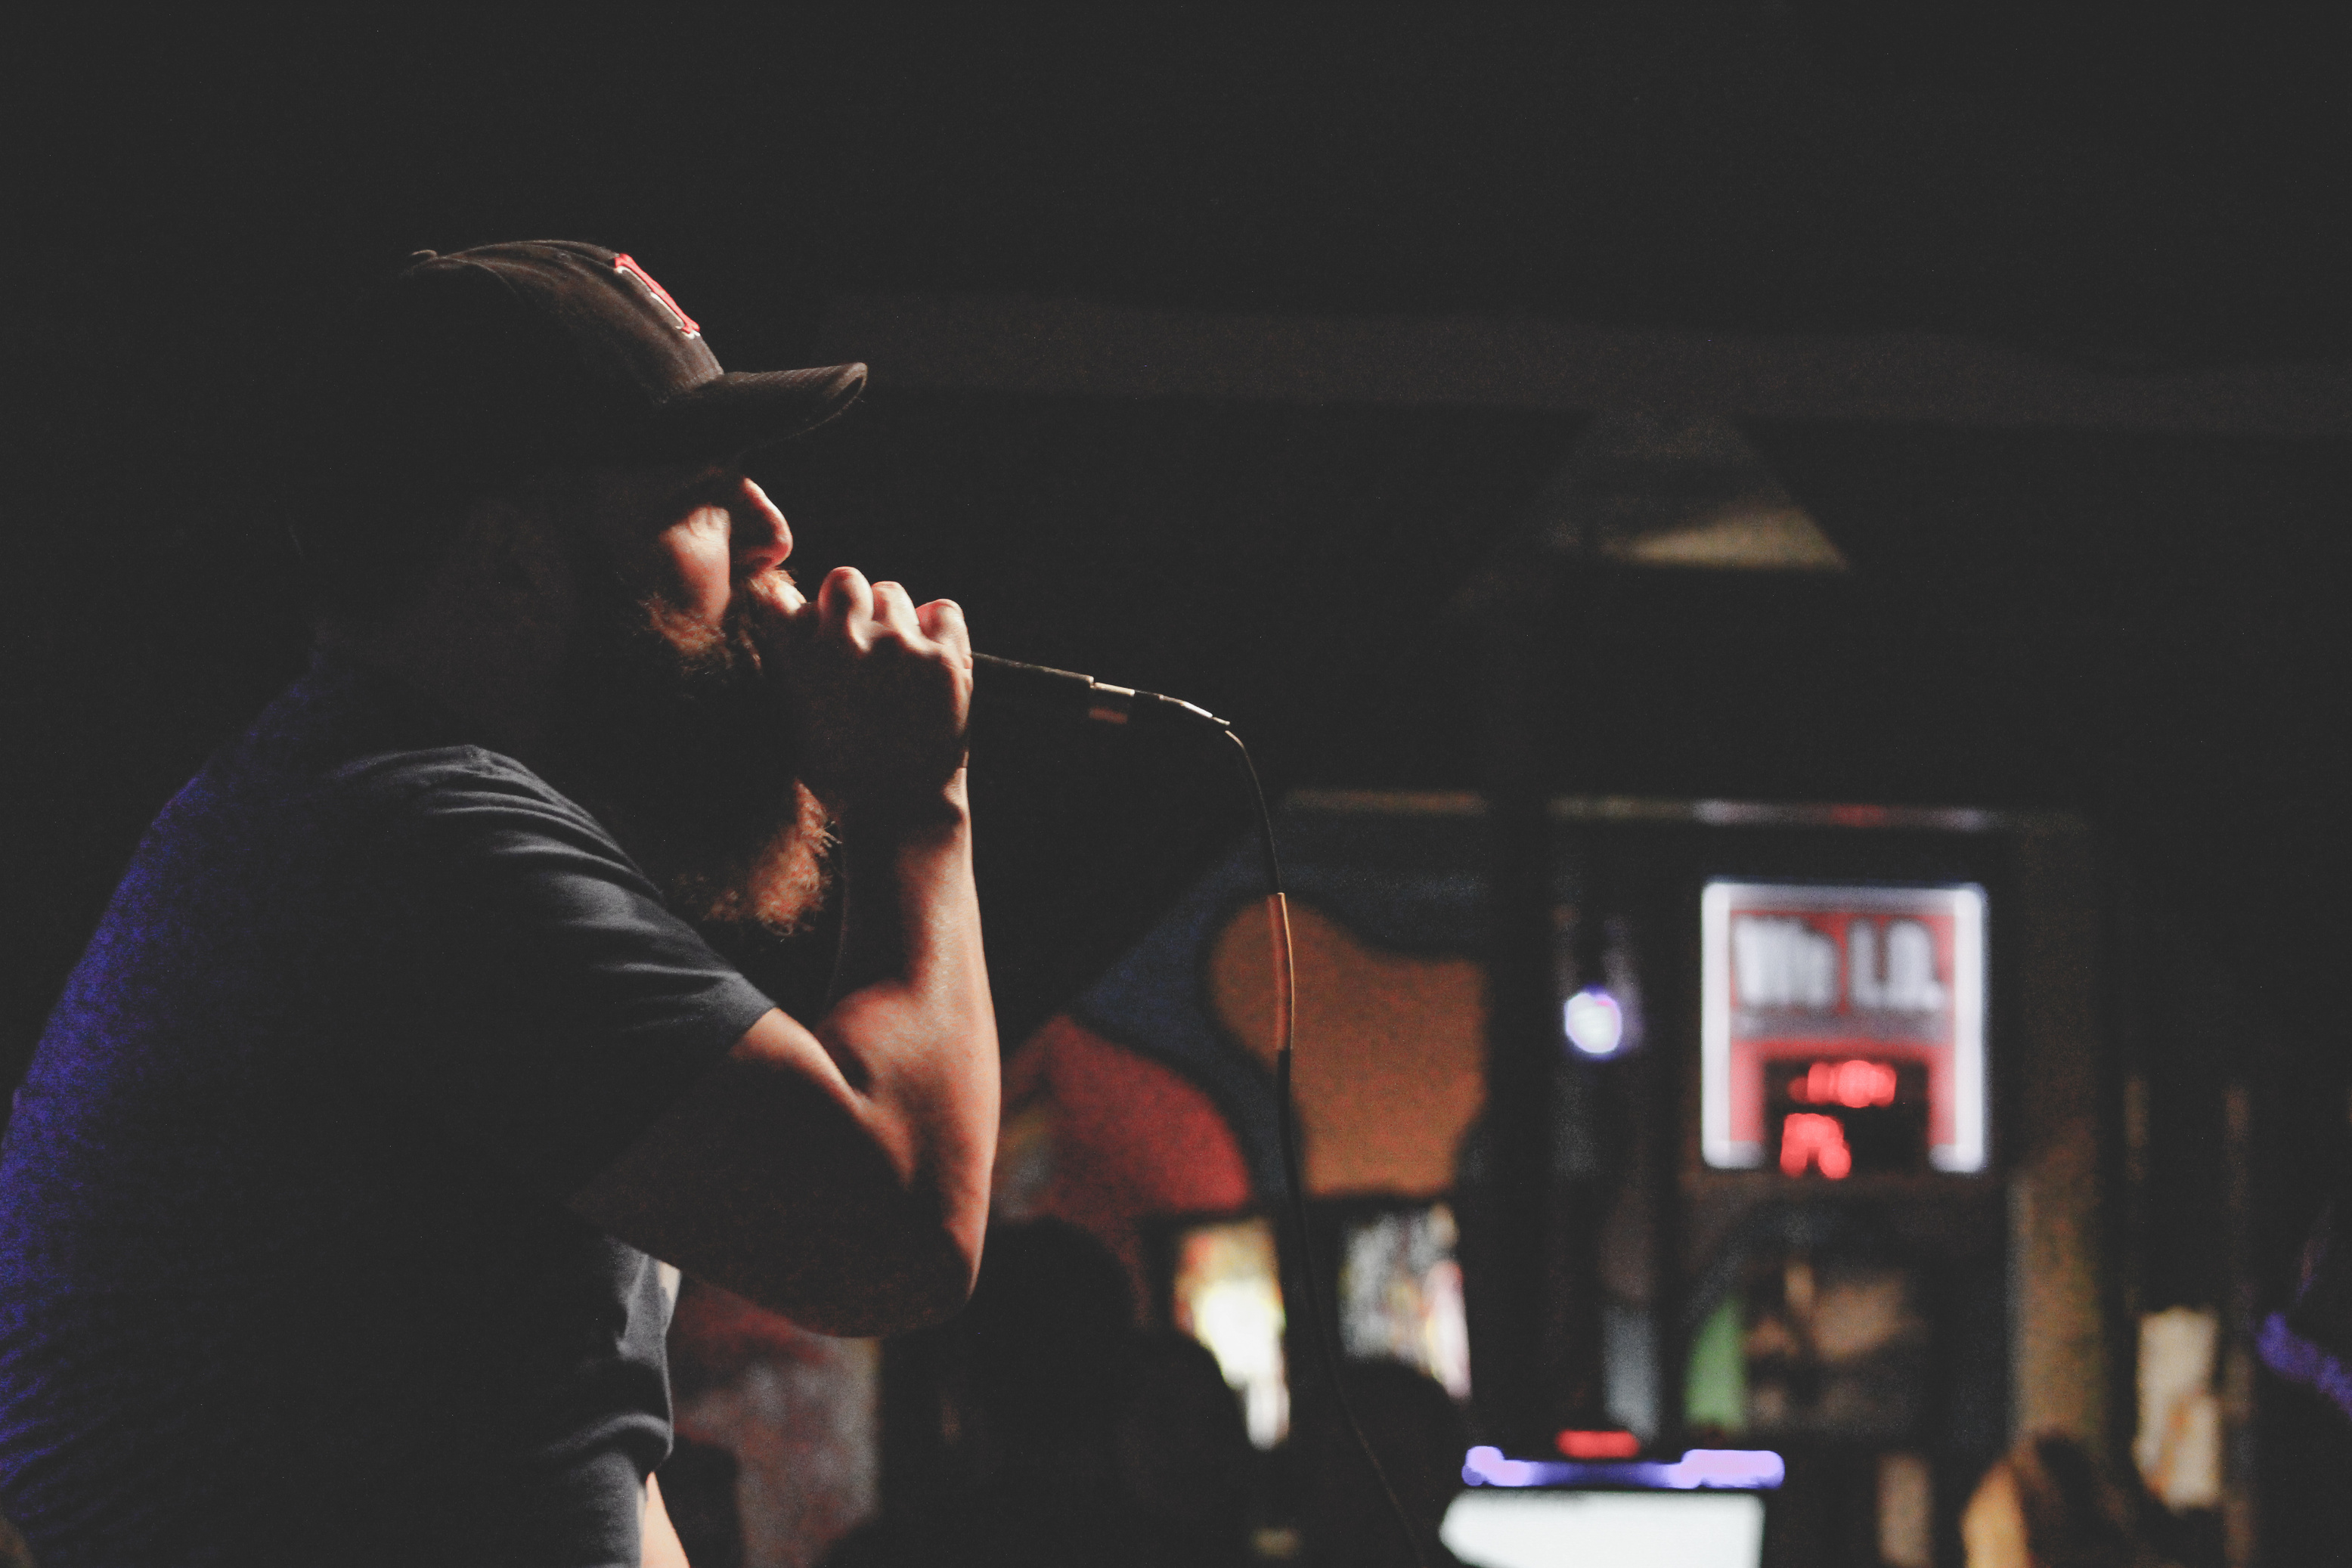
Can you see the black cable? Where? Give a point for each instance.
(1073, 695)
(1286, 1020)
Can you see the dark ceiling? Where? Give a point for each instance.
(2142, 628)
(2134, 184)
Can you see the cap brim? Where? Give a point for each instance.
(740, 410)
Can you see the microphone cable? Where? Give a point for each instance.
(1083, 696)
(1285, 1030)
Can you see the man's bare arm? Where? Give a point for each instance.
(839, 1174)
(659, 1546)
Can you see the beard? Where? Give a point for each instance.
(673, 740)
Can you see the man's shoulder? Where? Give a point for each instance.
(329, 785)
(345, 735)
(441, 777)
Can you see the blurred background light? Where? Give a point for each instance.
(1741, 1468)
(1595, 1023)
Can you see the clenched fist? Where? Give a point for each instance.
(879, 688)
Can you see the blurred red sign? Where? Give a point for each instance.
(1843, 1027)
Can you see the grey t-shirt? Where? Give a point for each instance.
(284, 1272)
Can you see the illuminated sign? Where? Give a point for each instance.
(1842, 1029)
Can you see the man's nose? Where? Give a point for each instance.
(761, 538)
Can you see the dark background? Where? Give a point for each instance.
(2143, 628)
(2140, 627)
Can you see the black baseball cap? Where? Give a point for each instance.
(462, 372)
(550, 352)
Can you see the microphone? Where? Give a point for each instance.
(1033, 687)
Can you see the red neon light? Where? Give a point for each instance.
(1599, 1444)
(1853, 1083)
(1808, 1139)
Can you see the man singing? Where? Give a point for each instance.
(330, 1207)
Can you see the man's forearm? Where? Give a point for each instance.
(878, 873)
(912, 1027)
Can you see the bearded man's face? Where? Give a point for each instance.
(664, 717)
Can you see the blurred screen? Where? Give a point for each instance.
(1228, 1295)
(1401, 1293)
(1499, 1528)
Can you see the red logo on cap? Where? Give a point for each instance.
(661, 295)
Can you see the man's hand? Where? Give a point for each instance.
(880, 690)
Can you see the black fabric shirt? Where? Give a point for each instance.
(286, 1276)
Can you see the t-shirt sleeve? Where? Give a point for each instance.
(545, 1003)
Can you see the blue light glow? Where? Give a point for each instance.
(1734, 1468)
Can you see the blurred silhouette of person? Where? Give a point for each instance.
(2045, 1504)
(1182, 1450)
(1414, 1427)
(1046, 1350)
